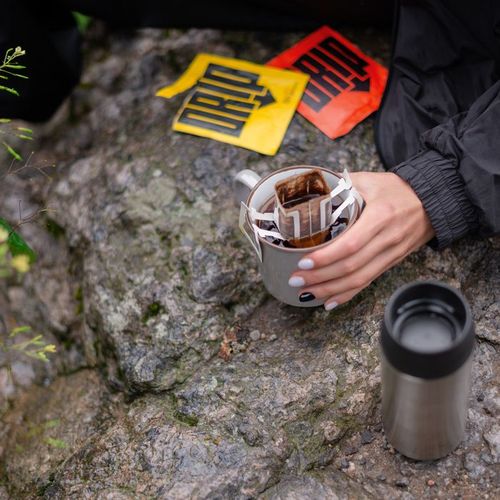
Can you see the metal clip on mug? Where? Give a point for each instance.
(427, 341)
(277, 263)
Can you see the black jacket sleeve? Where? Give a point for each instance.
(456, 174)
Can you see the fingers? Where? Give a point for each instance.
(348, 243)
(351, 263)
(337, 300)
(358, 280)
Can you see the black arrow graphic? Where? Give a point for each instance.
(265, 99)
(361, 85)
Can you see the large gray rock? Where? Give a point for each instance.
(177, 376)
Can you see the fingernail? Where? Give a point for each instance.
(306, 264)
(330, 306)
(296, 281)
(306, 297)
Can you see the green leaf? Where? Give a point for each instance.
(20, 329)
(10, 90)
(18, 76)
(82, 21)
(50, 424)
(17, 245)
(24, 129)
(56, 443)
(13, 152)
(26, 137)
(13, 74)
(41, 356)
(5, 120)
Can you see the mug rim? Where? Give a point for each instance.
(304, 249)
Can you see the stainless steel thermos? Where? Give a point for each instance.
(427, 340)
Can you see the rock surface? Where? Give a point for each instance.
(177, 376)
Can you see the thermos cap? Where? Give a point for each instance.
(427, 330)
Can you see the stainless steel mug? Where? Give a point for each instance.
(427, 341)
(277, 263)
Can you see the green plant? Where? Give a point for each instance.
(34, 347)
(10, 67)
(16, 255)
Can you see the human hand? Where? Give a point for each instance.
(393, 225)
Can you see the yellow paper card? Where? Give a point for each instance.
(237, 102)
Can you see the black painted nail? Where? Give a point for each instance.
(306, 297)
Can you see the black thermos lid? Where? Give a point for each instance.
(427, 330)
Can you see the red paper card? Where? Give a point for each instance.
(345, 85)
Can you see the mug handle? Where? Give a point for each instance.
(243, 183)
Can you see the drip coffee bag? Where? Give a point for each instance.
(304, 209)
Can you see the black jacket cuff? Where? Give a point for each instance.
(441, 190)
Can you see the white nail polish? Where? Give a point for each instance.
(306, 264)
(330, 306)
(296, 281)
